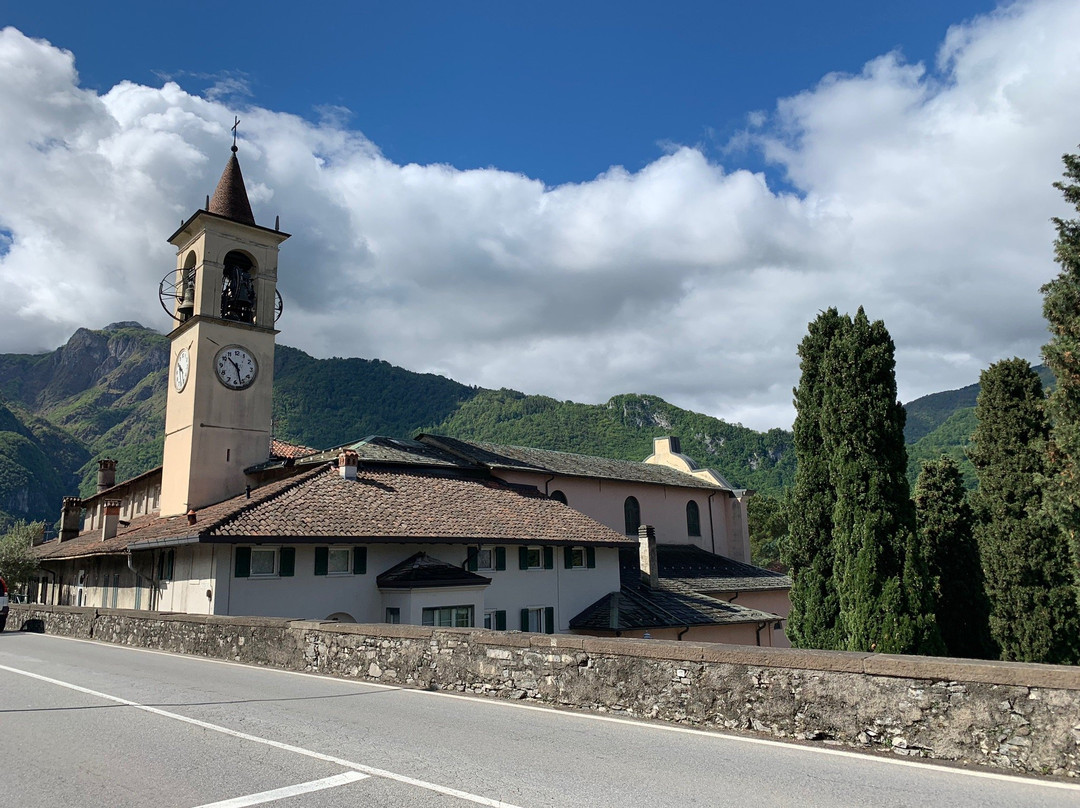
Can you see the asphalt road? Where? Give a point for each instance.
(89, 724)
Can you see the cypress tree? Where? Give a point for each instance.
(1061, 307)
(884, 590)
(1034, 615)
(946, 527)
(808, 551)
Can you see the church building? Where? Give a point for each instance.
(429, 531)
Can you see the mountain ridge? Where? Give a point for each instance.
(103, 393)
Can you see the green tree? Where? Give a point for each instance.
(885, 592)
(766, 519)
(1034, 615)
(1061, 307)
(808, 550)
(946, 527)
(17, 564)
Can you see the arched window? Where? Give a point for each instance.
(558, 496)
(632, 515)
(693, 519)
(238, 289)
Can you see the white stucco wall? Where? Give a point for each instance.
(316, 597)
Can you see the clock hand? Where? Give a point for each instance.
(233, 363)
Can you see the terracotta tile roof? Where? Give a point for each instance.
(174, 528)
(380, 505)
(545, 461)
(421, 571)
(285, 450)
(412, 505)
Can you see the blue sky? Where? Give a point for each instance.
(578, 200)
(559, 91)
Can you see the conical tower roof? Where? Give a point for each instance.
(230, 198)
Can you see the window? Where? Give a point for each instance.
(693, 519)
(558, 496)
(165, 565)
(576, 558)
(393, 615)
(495, 619)
(540, 620)
(486, 558)
(448, 617)
(632, 515)
(534, 558)
(265, 562)
(115, 589)
(340, 560)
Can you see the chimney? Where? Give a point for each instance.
(112, 519)
(669, 444)
(70, 518)
(650, 569)
(347, 462)
(106, 474)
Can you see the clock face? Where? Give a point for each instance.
(236, 367)
(180, 371)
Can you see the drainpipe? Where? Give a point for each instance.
(760, 626)
(680, 636)
(712, 527)
(548, 480)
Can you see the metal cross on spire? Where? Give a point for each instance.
(236, 123)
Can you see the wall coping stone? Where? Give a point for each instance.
(993, 672)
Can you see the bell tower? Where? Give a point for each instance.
(223, 297)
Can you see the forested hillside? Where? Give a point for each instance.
(623, 428)
(103, 394)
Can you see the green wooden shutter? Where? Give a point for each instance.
(243, 562)
(523, 558)
(359, 561)
(568, 557)
(500, 620)
(549, 558)
(590, 557)
(322, 560)
(500, 562)
(288, 562)
(549, 620)
(524, 619)
(470, 559)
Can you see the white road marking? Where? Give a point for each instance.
(348, 764)
(288, 791)
(939, 767)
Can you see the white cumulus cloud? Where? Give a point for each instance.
(922, 192)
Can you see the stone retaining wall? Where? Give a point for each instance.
(1009, 715)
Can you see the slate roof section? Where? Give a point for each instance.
(230, 198)
(421, 571)
(545, 461)
(638, 607)
(701, 571)
(381, 505)
(397, 451)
